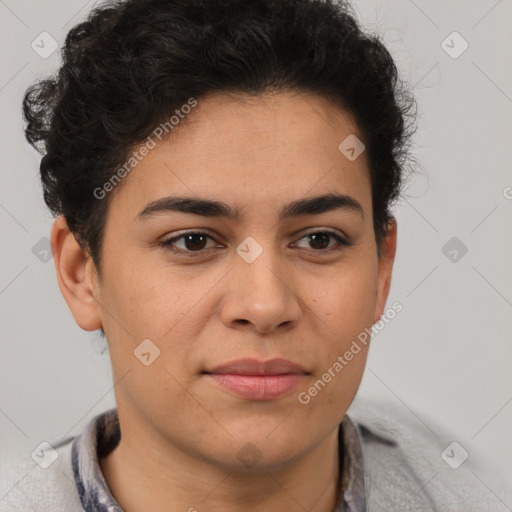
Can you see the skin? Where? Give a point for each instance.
(304, 302)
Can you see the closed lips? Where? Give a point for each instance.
(277, 366)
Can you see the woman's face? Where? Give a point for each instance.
(299, 286)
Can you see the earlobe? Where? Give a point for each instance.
(74, 276)
(386, 261)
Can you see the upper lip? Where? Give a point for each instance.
(277, 366)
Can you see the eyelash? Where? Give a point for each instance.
(167, 244)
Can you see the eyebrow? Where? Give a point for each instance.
(210, 208)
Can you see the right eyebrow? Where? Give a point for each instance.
(211, 208)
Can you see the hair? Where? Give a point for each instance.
(132, 63)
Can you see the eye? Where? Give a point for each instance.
(193, 242)
(319, 240)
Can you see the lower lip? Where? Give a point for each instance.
(258, 387)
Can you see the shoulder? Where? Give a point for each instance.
(412, 465)
(41, 479)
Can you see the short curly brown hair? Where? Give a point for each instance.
(133, 62)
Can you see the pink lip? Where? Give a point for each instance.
(258, 380)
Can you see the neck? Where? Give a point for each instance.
(143, 476)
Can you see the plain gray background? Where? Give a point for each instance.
(445, 358)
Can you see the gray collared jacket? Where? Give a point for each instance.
(390, 461)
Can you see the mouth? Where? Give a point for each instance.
(258, 380)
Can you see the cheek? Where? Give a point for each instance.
(166, 308)
(345, 309)
(146, 301)
(341, 360)
(333, 390)
(346, 304)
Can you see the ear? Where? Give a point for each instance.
(76, 276)
(386, 259)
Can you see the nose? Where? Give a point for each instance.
(260, 295)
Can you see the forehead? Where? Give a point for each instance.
(245, 150)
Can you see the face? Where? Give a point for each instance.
(253, 278)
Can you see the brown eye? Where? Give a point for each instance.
(191, 242)
(321, 240)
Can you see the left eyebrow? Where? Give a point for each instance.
(210, 208)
